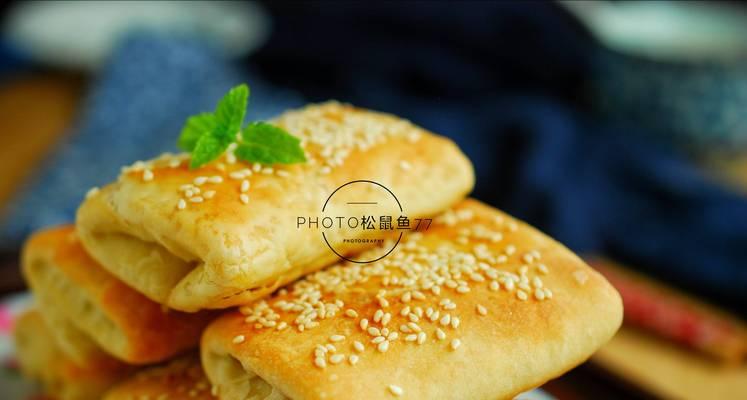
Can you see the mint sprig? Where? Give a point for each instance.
(208, 135)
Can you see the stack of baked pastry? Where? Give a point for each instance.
(198, 283)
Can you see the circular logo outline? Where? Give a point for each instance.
(395, 199)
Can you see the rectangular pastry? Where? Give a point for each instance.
(40, 359)
(182, 378)
(227, 233)
(92, 310)
(481, 306)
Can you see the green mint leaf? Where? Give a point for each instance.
(269, 144)
(230, 112)
(208, 148)
(196, 126)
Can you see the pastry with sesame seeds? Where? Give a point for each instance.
(181, 378)
(164, 237)
(93, 311)
(40, 359)
(482, 343)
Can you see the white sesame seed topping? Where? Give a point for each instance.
(336, 338)
(238, 339)
(320, 362)
(396, 390)
(358, 346)
(282, 173)
(196, 199)
(411, 337)
(147, 175)
(440, 334)
(481, 309)
(200, 180)
(580, 276)
(455, 343)
(353, 359)
(244, 198)
(351, 313)
(181, 204)
(364, 324)
(521, 295)
(209, 194)
(215, 179)
(337, 358)
(383, 346)
(374, 331)
(244, 185)
(92, 192)
(421, 337)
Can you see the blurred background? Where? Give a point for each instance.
(619, 128)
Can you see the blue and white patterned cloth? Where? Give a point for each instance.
(135, 110)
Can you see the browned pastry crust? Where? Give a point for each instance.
(480, 307)
(201, 238)
(40, 359)
(181, 378)
(90, 309)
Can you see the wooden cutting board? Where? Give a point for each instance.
(669, 371)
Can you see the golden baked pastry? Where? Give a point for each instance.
(481, 306)
(40, 359)
(181, 378)
(91, 310)
(226, 233)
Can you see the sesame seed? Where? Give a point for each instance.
(320, 362)
(415, 327)
(336, 338)
(521, 295)
(411, 337)
(384, 303)
(351, 313)
(386, 318)
(282, 326)
(244, 198)
(374, 331)
(378, 339)
(364, 324)
(147, 175)
(353, 359)
(181, 204)
(196, 199)
(337, 358)
(495, 286)
(392, 336)
(325, 170)
(539, 294)
(358, 346)
(463, 289)
(440, 334)
(378, 314)
(445, 320)
(405, 165)
(215, 179)
(481, 309)
(282, 173)
(268, 171)
(450, 306)
(455, 343)
(406, 297)
(244, 185)
(383, 346)
(405, 311)
(396, 390)
(238, 339)
(543, 268)
(548, 293)
(580, 276)
(200, 180)
(256, 167)
(421, 337)
(455, 322)
(92, 192)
